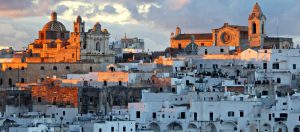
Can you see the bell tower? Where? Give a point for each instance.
(256, 27)
(78, 25)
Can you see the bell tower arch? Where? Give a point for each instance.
(256, 27)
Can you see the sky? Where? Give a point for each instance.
(151, 20)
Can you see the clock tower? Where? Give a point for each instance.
(256, 27)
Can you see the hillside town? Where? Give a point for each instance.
(235, 78)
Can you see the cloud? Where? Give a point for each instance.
(109, 9)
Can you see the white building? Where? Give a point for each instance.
(110, 126)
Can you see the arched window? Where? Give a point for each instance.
(263, 28)
(42, 79)
(179, 46)
(39, 99)
(98, 46)
(91, 69)
(22, 68)
(55, 68)
(254, 28)
(67, 68)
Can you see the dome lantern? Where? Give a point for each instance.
(54, 16)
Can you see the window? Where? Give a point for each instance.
(211, 116)
(254, 28)
(279, 51)
(173, 90)
(9, 68)
(205, 52)
(1, 81)
(64, 113)
(42, 68)
(163, 115)
(294, 66)
(105, 83)
(179, 46)
(182, 115)
(22, 68)
(160, 89)
(278, 80)
(265, 65)
(284, 115)
(187, 82)
(221, 50)
(39, 99)
(202, 44)
(120, 83)
(275, 65)
(98, 46)
(22, 80)
(91, 99)
(112, 129)
(201, 65)
(67, 68)
(153, 115)
(195, 116)
(266, 51)
(262, 28)
(230, 114)
(284, 103)
(54, 68)
(264, 92)
(42, 79)
(91, 69)
(270, 117)
(138, 114)
(124, 129)
(241, 113)
(10, 82)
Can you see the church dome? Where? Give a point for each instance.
(54, 25)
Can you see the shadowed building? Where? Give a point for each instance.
(101, 100)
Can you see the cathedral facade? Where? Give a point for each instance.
(56, 44)
(241, 37)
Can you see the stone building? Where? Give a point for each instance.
(53, 44)
(51, 94)
(18, 72)
(101, 100)
(242, 37)
(94, 43)
(56, 45)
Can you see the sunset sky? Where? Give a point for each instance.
(153, 20)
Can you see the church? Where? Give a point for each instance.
(57, 44)
(241, 37)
